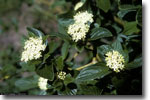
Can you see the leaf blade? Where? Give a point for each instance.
(100, 32)
(104, 5)
(92, 72)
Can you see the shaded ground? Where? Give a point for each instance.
(22, 19)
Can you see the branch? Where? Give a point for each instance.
(94, 61)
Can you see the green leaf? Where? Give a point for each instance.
(117, 82)
(63, 27)
(116, 45)
(24, 84)
(36, 92)
(104, 5)
(68, 91)
(135, 64)
(100, 32)
(122, 13)
(117, 28)
(65, 50)
(62, 35)
(90, 90)
(26, 66)
(33, 31)
(102, 50)
(130, 28)
(46, 57)
(53, 45)
(125, 54)
(128, 7)
(92, 72)
(46, 71)
(68, 79)
(42, 92)
(57, 84)
(139, 16)
(60, 63)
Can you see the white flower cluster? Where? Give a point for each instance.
(115, 61)
(83, 17)
(42, 83)
(78, 31)
(61, 75)
(81, 26)
(32, 49)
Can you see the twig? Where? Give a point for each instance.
(94, 61)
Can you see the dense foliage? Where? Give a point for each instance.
(79, 66)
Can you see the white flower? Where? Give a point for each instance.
(81, 26)
(78, 5)
(83, 17)
(32, 49)
(115, 61)
(42, 83)
(78, 31)
(61, 75)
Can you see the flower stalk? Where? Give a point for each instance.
(94, 61)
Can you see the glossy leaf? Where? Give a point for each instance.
(103, 4)
(128, 7)
(102, 50)
(130, 28)
(68, 91)
(93, 72)
(26, 66)
(68, 79)
(139, 17)
(65, 50)
(100, 32)
(46, 71)
(122, 13)
(135, 64)
(90, 90)
(63, 27)
(116, 45)
(53, 46)
(35, 32)
(60, 63)
(24, 84)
